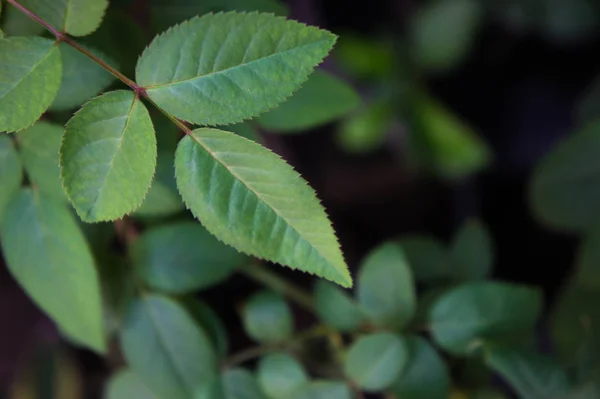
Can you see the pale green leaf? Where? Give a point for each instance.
(425, 374)
(224, 68)
(125, 384)
(170, 353)
(267, 317)
(30, 74)
(39, 146)
(323, 390)
(322, 99)
(472, 252)
(183, 257)
(531, 375)
(336, 308)
(209, 320)
(251, 199)
(280, 375)
(565, 190)
(162, 199)
(428, 258)
(166, 13)
(75, 17)
(11, 173)
(48, 255)
(241, 384)
(82, 78)
(108, 156)
(375, 361)
(15, 23)
(472, 314)
(386, 291)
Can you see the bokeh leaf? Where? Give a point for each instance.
(241, 384)
(267, 317)
(237, 65)
(429, 259)
(108, 156)
(162, 199)
(125, 384)
(11, 173)
(280, 375)
(323, 390)
(211, 323)
(252, 200)
(75, 17)
(335, 307)
(472, 252)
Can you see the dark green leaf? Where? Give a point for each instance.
(472, 314)
(280, 375)
(162, 199)
(214, 327)
(386, 292)
(375, 361)
(472, 252)
(428, 258)
(15, 23)
(11, 173)
(252, 200)
(241, 384)
(237, 65)
(183, 257)
(48, 255)
(125, 384)
(267, 317)
(244, 130)
(323, 390)
(366, 129)
(170, 353)
(75, 17)
(336, 308)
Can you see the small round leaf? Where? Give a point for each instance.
(267, 317)
(280, 375)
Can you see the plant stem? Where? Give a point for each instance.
(276, 283)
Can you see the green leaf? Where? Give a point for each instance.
(375, 361)
(366, 129)
(432, 46)
(82, 78)
(476, 313)
(241, 384)
(39, 146)
(30, 74)
(252, 200)
(15, 23)
(108, 156)
(336, 308)
(125, 384)
(48, 255)
(236, 65)
(210, 322)
(166, 349)
(244, 130)
(267, 317)
(428, 258)
(323, 390)
(386, 292)
(75, 17)
(425, 374)
(530, 374)
(11, 173)
(472, 252)
(162, 199)
(166, 13)
(323, 99)
(183, 257)
(280, 375)
(564, 191)
(366, 57)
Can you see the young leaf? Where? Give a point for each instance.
(75, 17)
(166, 13)
(82, 78)
(267, 317)
(322, 99)
(48, 255)
(280, 375)
(530, 374)
(472, 314)
(125, 384)
(183, 257)
(39, 146)
(323, 390)
(241, 384)
(386, 292)
(224, 68)
(336, 308)
(162, 199)
(11, 173)
(30, 73)
(425, 374)
(472, 252)
(428, 258)
(375, 361)
(108, 156)
(210, 322)
(252, 200)
(166, 349)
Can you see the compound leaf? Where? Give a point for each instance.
(224, 68)
(108, 156)
(252, 200)
(11, 173)
(75, 17)
(47, 254)
(30, 74)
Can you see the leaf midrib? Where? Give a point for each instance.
(222, 71)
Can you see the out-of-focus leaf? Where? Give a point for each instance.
(241, 384)
(125, 384)
(75, 17)
(336, 308)
(211, 323)
(15, 23)
(323, 390)
(280, 375)
(365, 58)
(267, 317)
(569, 21)
(162, 199)
(244, 130)
(11, 172)
(428, 258)
(472, 252)
(365, 130)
